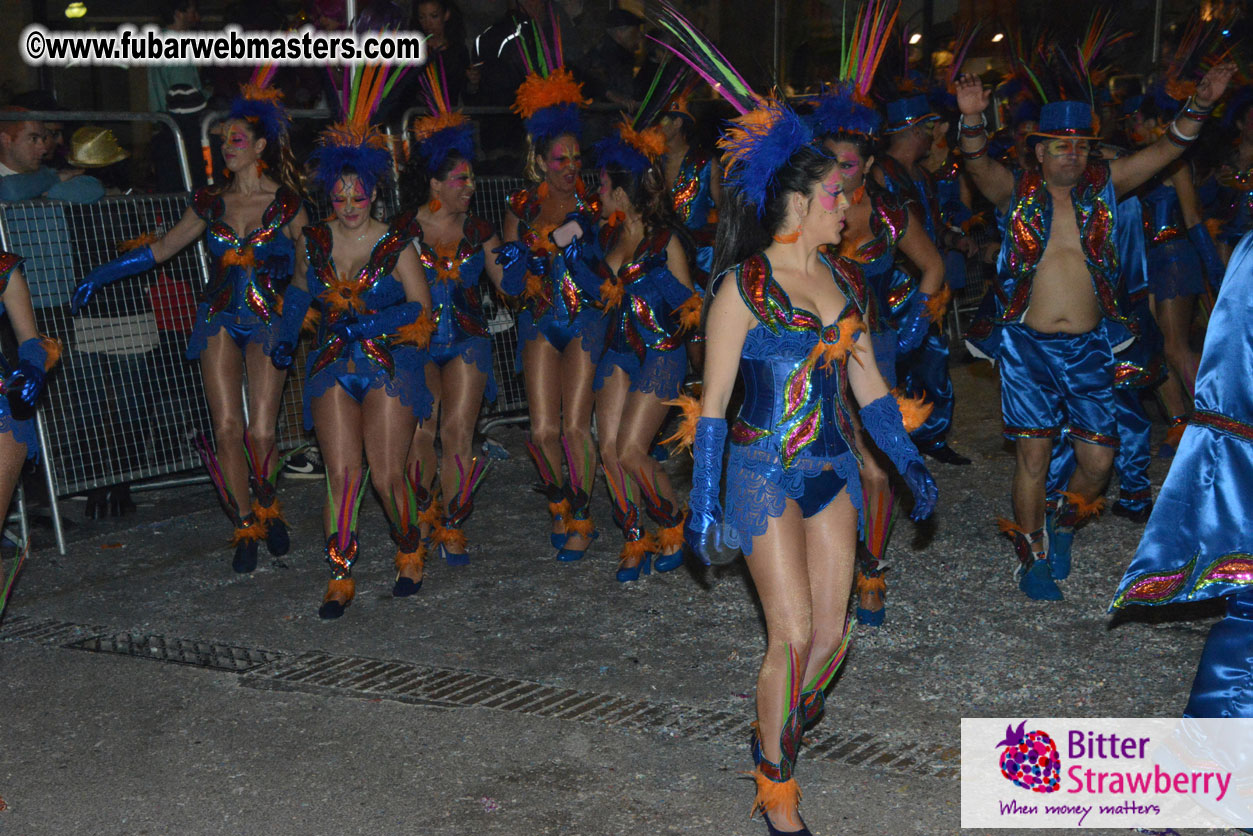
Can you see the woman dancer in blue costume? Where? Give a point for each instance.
(695, 182)
(792, 323)
(1198, 543)
(251, 226)
(878, 229)
(452, 246)
(561, 328)
(652, 306)
(21, 386)
(1179, 252)
(366, 384)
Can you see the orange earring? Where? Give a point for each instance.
(542, 191)
(788, 237)
(434, 205)
(859, 193)
(615, 218)
(261, 167)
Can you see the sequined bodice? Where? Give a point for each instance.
(557, 293)
(8, 262)
(795, 370)
(1163, 215)
(693, 197)
(889, 220)
(250, 271)
(643, 319)
(453, 273)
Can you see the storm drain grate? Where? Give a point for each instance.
(201, 654)
(43, 630)
(374, 679)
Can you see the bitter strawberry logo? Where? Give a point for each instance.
(1030, 759)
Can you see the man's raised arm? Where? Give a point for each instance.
(989, 176)
(1131, 171)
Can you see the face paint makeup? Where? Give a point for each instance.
(1068, 147)
(831, 192)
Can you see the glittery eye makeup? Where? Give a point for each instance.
(1068, 147)
(238, 139)
(829, 197)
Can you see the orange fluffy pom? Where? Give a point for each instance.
(536, 92)
(685, 435)
(611, 293)
(772, 795)
(418, 332)
(247, 533)
(237, 257)
(534, 286)
(938, 304)
(261, 93)
(415, 560)
(454, 538)
(580, 528)
(138, 241)
(310, 325)
(1009, 528)
(52, 348)
(432, 516)
(670, 538)
(1084, 508)
(650, 142)
(831, 353)
(914, 411)
(427, 126)
(633, 551)
(690, 313)
(340, 589)
(559, 509)
(267, 513)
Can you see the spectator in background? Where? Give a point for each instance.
(58, 148)
(176, 16)
(23, 175)
(611, 69)
(440, 21)
(178, 90)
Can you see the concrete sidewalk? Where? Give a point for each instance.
(150, 690)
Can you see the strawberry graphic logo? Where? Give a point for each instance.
(1030, 759)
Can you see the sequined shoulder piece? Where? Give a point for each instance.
(1026, 184)
(761, 292)
(7, 262)
(477, 231)
(208, 205)
(282, 208)
(405, 225)
(890, 215)
(655, 245)
(524, 204)
(401, 232)
(318, 245)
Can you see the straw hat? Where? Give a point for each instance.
(95, 147)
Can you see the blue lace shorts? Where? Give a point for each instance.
(660, 374)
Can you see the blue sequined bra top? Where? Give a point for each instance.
(795, 371)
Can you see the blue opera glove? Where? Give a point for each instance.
(703, 528)
(296, 302)
(130, 264)
(1214, 269)
(578, 244)
(26, 383)
(882, 421)
(511, 256)
(538, 264)
(912, 328)
(380, 324)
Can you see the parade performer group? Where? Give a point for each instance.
(803, 260)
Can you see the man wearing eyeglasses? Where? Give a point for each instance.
(1056, 309)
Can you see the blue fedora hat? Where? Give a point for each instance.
(1064, 120)
(911, 110)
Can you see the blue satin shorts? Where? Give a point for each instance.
(1051, 381)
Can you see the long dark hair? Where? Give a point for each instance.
(741, 232)
(415, 178)
(647, 193)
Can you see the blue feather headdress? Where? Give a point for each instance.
(638, 144)
(446, 130)
(846, 105)
(549, 98)
(260, 104)
(354, 143)
(767, 133)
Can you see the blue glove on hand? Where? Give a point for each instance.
(587, 233)
(537, 264)
(882, 421)
(511, 256)
(380, 324)
(703, 528)
(914, 324)
(24, 386)
(283, 356)
(130, 264)
(1214, 269)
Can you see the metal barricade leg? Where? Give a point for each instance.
(51, 482)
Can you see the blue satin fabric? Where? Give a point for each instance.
(924, 372)
(590, 325)
(1135, 490)
(1175, 267)
(1198, 534)
(474, 351)
(1051, 381)
(1223, 686)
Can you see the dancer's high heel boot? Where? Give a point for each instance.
(406, 524)
(669, 538)
(1033, 573)
(266, 507)
(448, 534)
(558, 505)
(777, 790)
(248, 531)
(341, 545)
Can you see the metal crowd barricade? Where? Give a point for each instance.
(123, 402)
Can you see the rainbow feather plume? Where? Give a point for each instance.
(445, 130)
(354, 142)
(879, 518)
(344, 513)
(823, 678)
(261, 104)
(216, 476)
